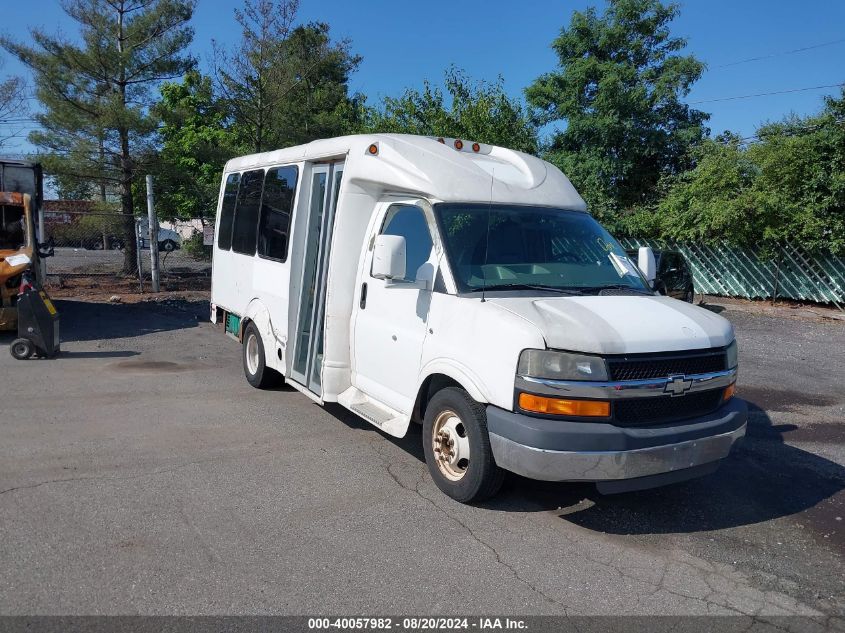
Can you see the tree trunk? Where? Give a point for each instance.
(130, 250)
(127, 209)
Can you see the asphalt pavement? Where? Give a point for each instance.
(141, 474)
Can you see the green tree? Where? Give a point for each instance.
(13, 107)
(619, 86)
(195, 144)
(283, 85)
(478, 111)
(96, 90)
(788, 185)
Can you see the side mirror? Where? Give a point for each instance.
(646, 263)
(389, 257)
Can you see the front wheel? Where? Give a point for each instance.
(168, 246)
(257, 373)
(22, 348)
(457, 447)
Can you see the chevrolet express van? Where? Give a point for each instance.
(465, 287)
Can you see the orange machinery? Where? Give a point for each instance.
(18, 252)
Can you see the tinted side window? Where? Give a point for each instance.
(409, 222)
(674, 262)
(276, 210)
(227, 212)
(246, 212)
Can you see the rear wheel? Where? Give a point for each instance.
(22, 348)
(168, 246)
(257, 373)
(457, 447)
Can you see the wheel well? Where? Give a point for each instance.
(431, 386)
(244, 322)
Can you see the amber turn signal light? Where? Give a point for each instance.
(730, 392)
(556, 406)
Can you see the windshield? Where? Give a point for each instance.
(498, 246)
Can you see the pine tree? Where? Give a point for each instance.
(283, 84)
(97, 94)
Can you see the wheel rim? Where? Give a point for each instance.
(252, 354)
(451, 445)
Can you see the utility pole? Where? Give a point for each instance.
(153, 230)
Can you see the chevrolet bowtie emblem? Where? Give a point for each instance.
(677, 385)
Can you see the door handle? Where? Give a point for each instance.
(363, 302)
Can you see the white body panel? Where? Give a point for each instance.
(375, 358)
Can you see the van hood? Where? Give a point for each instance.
(620, 324)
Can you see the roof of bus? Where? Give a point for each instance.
(445, 169)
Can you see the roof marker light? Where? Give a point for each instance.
(440, 140)
(372, 149)
(476, 147)
(459, 144)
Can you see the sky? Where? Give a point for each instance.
(404, 43)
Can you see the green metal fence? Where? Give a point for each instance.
(792, 273)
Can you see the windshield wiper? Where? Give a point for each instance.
(565, 291)
(586, 289)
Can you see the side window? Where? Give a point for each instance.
(409, 222)
(246, 212)
(276, 210)
(227, 212)
(674, 263)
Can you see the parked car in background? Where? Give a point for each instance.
(168, 240)
(95, 243)
(674, 275)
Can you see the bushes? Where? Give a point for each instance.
(194, 247)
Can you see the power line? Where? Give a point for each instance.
(789, 52)
(766, 94)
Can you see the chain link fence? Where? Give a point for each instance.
(789, 273)
(90, 251)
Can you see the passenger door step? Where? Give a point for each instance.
(388, 420)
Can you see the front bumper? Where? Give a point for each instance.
(560, 450)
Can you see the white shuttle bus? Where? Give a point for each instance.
(465, 287)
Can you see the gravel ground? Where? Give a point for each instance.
(139, 473)
(83, 261)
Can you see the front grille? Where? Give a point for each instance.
(664, 408)
(643, 367)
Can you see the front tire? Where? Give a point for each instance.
(22, 348)
(255, 369)
(457, 447)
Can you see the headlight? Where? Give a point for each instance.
(539, 363)
(732, 355)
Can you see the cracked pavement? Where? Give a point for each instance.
(141, 474)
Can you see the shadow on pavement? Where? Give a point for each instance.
(762, 479)
(84, 321)
(115, 354)
(411, 443)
